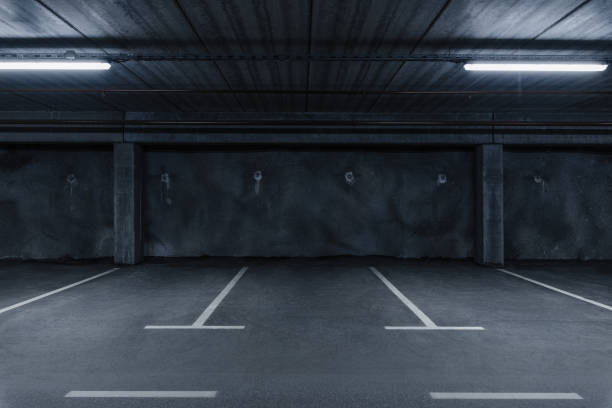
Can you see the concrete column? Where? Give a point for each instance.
(128, 203)
(489, 204)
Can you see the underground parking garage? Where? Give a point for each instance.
(350, 203)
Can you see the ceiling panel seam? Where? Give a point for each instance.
(151, 87)
(306, 99)
(32, 101)
(105, 102)
(201, 40)
(575, 9)
(73, 27)
(68, 23)
(414, 48)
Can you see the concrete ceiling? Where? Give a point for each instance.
(241, 28)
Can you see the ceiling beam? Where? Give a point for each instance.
(267, 124)
(457, 58)
(357, 92)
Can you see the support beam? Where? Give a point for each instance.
(128, 203)
(294, 128)
(489, 204)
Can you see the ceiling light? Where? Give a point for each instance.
(54, 65)
(535, 67)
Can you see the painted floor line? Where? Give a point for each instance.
(53, 292)
(473, 328)
(554, 289)
(141, 394)
(428, 323)
(407, 302)
(200, 323)
(505, 395)
(191, 327)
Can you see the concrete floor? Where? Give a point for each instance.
(314, 333)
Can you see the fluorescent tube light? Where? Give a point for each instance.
(535, 67)
(50, 65)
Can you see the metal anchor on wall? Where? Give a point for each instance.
(257, 176)
(349, 177)
(165, 188)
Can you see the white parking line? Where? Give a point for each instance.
(429, 324)
(434, 328)
(200, 322)
(418, 312)
(505, 395)
(53, 292)
(192, 327)
(141, 394)
(563, 292)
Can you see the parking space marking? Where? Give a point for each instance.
(53, 292)
(434, 328)
(141, 394)
(200, 323)
(418, 312)
(428, 323)
(563, 292)
(505, 395)
(192, 327)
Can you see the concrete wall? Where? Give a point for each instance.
(399, 203)
(58, 202)
(55, 202)
(558, 204)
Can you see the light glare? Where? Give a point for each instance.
(54, 65)
(535, 67)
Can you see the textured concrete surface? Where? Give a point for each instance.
(558, 204)
(309, 203)
(128, 181)
(489, 234)
(314, 334)
(396, 135)
(56, 202)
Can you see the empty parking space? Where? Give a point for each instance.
(312, 327)
(451, 292)
(200, 322)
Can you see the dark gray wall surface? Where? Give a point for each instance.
(55, 203)
(558, 204)
(489, 181)
(58, 202)
(128, 180)
(399, 203)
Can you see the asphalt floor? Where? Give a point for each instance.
(328, 332)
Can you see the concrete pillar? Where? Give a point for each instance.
(128, 203)
(489, 204)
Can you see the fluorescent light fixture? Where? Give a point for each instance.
(54, 65)
(535, 67)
